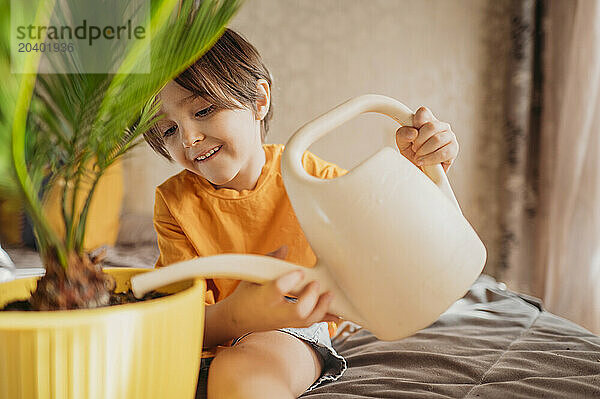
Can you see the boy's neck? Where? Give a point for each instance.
(248, 175)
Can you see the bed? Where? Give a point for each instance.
(492, 343)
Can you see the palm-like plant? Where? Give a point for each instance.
(67, 129)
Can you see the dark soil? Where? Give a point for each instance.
(115, 299)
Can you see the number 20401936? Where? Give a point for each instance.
(45, 47)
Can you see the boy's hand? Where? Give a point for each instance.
(428, 142)
(255, 307)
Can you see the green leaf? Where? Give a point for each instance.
(74, 126)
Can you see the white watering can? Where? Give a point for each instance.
(391, 243)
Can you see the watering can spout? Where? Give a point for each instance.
(254, 268)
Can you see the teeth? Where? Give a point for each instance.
(208, 154)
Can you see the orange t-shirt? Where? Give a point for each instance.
(193, 219)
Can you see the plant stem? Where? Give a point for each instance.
(81, 224)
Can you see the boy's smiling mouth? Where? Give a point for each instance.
(208, 154)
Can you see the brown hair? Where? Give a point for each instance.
(225, 73)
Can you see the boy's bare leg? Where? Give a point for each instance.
(269, 364)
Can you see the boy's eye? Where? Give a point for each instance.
(170, 131)
(205, 111)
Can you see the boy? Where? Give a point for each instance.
(230, 199)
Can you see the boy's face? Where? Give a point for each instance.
(217, 144)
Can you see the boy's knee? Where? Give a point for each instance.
(235, 375)
(226, 370)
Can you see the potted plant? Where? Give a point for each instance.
(67, 130)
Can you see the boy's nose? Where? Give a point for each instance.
(190, 141)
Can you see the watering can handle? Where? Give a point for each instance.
(317, 128)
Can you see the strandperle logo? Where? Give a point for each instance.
(82, 32)
(80, 36)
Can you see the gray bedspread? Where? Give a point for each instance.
(493, 343)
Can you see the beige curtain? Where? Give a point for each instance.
(567, 267)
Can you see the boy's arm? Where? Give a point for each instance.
(218, 325)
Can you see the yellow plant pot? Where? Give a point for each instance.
(149, 349)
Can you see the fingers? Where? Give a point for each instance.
(319, 312)
(434, 143)
(444, 155)
(422, 116)
(428, 142)
(286, 283)
(405, 136)
(307, 300)
(308, 308)
(311, 307)
(427, 131)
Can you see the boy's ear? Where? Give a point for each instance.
(264, 98)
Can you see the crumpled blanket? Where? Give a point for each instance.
(493, 343)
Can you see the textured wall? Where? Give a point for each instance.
(450, 56)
